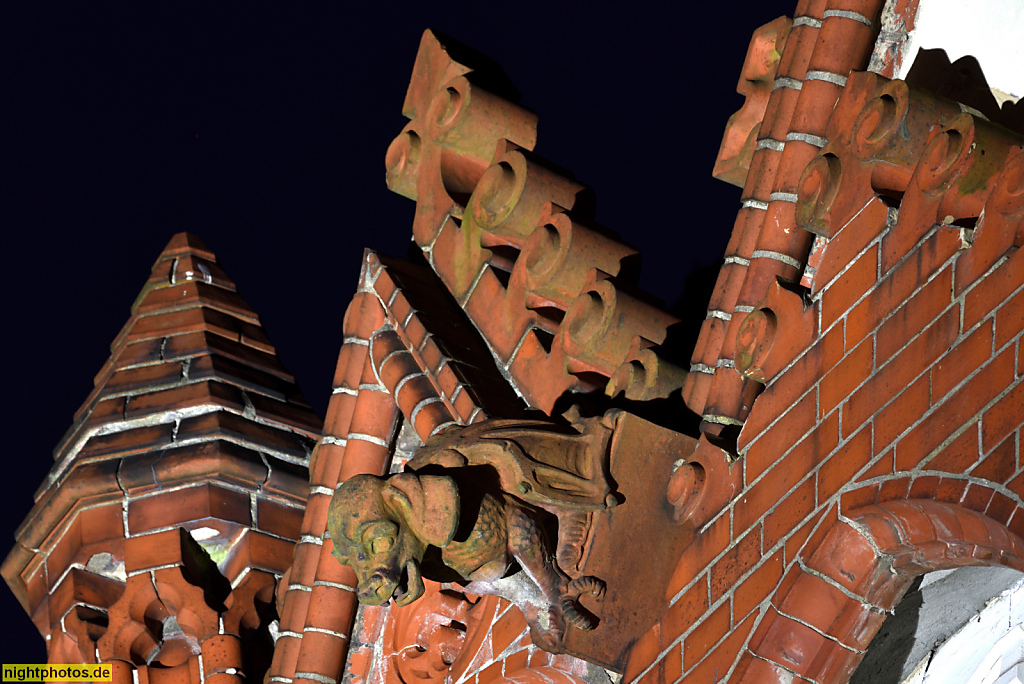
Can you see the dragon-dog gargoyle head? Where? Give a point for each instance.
(499, 507)
(382, 528)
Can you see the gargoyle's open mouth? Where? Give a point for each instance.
(375, 590)
(402, 588)
(410, 584)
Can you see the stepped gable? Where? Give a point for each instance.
(185, 471)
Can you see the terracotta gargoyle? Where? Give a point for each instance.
(479, 506)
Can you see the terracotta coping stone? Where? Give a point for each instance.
(344, 452)
(549, 327)
(905, 13)
(381, 324)
(540, 285)
(755, 84)
(449, 349)
(390, 347)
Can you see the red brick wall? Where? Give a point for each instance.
(894, 376)
(857, 373)
(491, 643)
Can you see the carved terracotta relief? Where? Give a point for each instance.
(536, 512)
(500, 507)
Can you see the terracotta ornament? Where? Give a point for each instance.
(478, 507)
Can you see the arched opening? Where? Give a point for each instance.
(958, 625)
(822, 623)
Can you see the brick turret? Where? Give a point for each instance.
(174, 502)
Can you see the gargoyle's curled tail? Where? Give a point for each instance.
(571, 610)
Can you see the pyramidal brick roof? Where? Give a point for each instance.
(191, 347)
(193, 423)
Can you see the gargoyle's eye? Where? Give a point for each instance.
(381, 545)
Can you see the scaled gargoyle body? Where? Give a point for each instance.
(479, 506)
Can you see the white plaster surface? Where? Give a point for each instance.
(963, 640)
(990, 30)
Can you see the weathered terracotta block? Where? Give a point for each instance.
(993, 290)
(893, 420)
(858, 279)
(190, 503)
(998, 423)
(842, 380)
(807, 537)
(901, 369)
(994, 235)
(977, 498)
(706, 634)
(507, 629)
(756, 80)
(775, 334)
(193, 294)
(786, 428)
(753, 669)
(787, 642)
(278, 519)
(643, 653)
(713, 539)
(955, 411)
(896, 489)
(315, 516)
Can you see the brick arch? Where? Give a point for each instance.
(542, 674)
(991, 498)
(828, 608)
(925, 535)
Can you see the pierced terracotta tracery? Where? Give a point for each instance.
(446, 629)
(508, 235)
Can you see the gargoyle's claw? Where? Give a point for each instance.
(551, 639)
